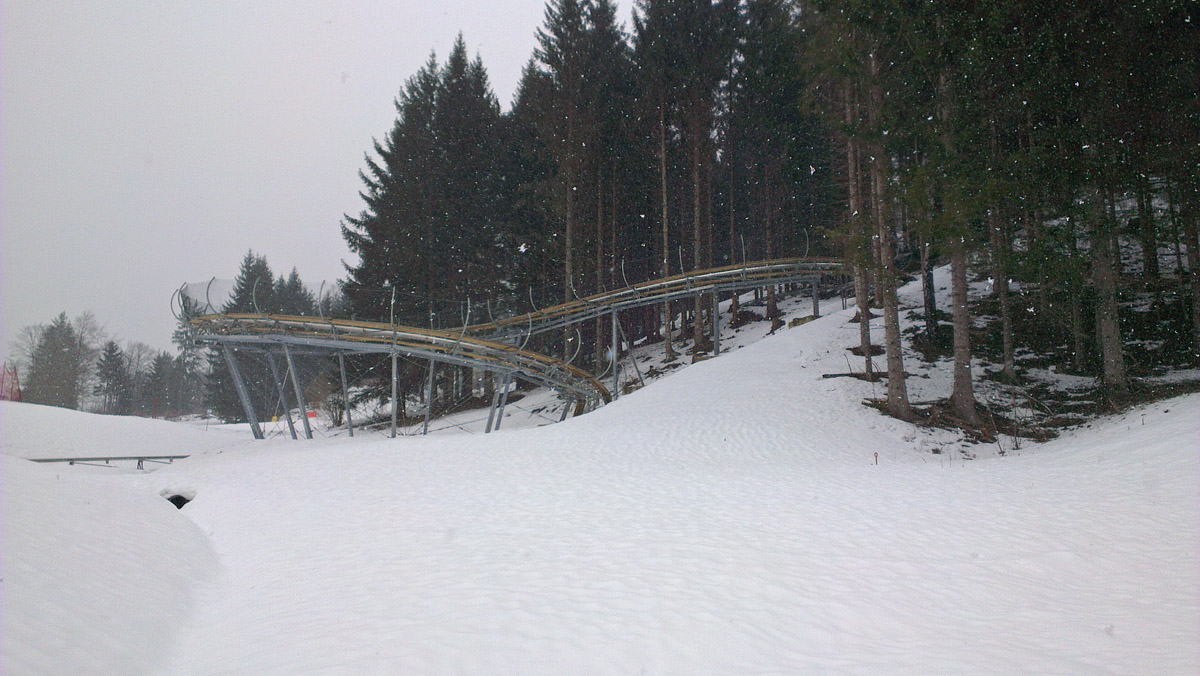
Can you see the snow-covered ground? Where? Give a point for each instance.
(742, 516)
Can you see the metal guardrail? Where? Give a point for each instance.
(107, 459)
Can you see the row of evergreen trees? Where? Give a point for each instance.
(1031, 141)
(623, 157)
(71, 363)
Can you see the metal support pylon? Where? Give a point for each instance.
(279, 387)
(395, 391)
(504, 383)
(428, 397)
(716, 323)
(299, 392)
(616, 357)
(816, 288)
(240, 385)
(345, 393)
(495, 403)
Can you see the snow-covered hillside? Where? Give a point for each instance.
(742, 516)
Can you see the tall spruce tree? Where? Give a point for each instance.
(253, 293)
(113, 380)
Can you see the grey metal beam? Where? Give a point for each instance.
(616, 358)
(494, 406)
(345, 393)
(395, 391)
(428, 397)
(506, 380)
(287, 408)
(716, 323)
(240, 385)
(299, 392)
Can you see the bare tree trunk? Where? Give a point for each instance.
(569, 235)
(1104, 277)
(733, 303)
(769, 230)
(897, 399)
(928, 293)
(666, 228)
(859, 238)
(601, 340)
(1190, 214)
(700, 341)
(1147, 232)
(612, 228)
(962, 399)
(1000, 248)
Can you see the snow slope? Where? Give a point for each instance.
(728, 519)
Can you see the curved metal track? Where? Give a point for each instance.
(655, 291)
(339, 335)
(478, 345)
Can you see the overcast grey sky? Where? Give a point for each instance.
(144, 144)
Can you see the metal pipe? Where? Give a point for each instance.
(287, 409)
(503, 399)
(299, 392)
(616, 358)
(716, 323)
(395, 392)
(244, 395)
(345, 394)
(495, 404)
(428, 397)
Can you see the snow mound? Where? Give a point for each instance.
(97, 578)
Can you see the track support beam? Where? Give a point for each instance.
(299, 392)
(345, 393)
(279, 387)
(240, 385)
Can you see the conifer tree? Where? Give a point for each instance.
(113, 380)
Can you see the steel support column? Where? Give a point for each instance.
(428, 397)
(299, 392)
(287, 409)
(495, 402)
(816, 287)
(616, 358)
(345, 393)
(716, 323)
(244, 395)
(395, 390)
(506, 381)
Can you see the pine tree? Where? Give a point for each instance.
(291, 297)
(561, 51)
(253, 292)
(113, 380)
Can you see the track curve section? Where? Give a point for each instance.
(655, 291)
(481, 346)
(338, 335)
